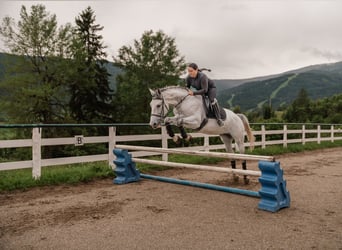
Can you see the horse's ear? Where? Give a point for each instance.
(152, 92)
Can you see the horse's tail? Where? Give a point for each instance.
(248, 130)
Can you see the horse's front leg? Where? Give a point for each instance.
(176, 139)
(192, 122)
(185, 136)
(171, 120)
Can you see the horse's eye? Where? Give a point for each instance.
(158, 106)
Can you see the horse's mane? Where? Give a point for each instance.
(173, 87)
(158, 92)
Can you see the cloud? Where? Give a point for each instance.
(237, 39)
(325, 54)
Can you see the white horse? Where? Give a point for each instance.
(190, 112)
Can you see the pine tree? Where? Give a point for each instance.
(91, 96)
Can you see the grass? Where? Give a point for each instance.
(69, 174)
(86, 172)
(294, 148)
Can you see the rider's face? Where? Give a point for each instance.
(192, 72)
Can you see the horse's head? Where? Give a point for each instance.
(158, 109)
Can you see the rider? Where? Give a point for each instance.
(203, 86)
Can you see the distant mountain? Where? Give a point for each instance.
(223, 84)
(5, 59)
(318, 80)
(114, 72)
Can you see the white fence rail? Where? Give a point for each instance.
(37, 142)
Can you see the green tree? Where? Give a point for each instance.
(154, 61)
(300, 109)
(91, 96)
(33, 84)
(327, 110)
(237, 109)
(267, 111)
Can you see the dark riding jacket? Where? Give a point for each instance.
(201, 83)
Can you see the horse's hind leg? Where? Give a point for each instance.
(244, 167)
(233, 165)
(244, 163)
(228, 140)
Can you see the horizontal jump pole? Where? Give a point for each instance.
(199, 167)
(202, 185)
(273, 193)
(199, 153)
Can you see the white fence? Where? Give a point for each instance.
(37, 142)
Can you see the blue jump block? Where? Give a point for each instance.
(273, 192)
(125, 170)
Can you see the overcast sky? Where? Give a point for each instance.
(235, 38)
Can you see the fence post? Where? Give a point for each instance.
(165, 156)
(285, 136)
(36, 153)
(206, 143)
(303, 134)
(111, 145)
(319, 134)
(263, 136)
(332, 133)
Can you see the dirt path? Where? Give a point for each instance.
(154, 215)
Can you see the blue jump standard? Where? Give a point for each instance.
(273, 193)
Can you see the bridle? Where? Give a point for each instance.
(164, 106)
(164, 114)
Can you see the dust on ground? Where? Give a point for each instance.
(154, 215)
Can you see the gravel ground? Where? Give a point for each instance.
(155, 215)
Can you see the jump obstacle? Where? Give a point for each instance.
(273, 193)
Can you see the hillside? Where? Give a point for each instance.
(223, 84)
(5, 59)
(282, 90)
(113, 71)
(319, 81)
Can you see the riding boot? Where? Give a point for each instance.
(216, 110)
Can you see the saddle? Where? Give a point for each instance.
(209, 110)
(210, 113)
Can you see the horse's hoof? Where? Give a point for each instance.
(188, 139)
(176, 139)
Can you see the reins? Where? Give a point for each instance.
(181, 101)
(162, 114)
